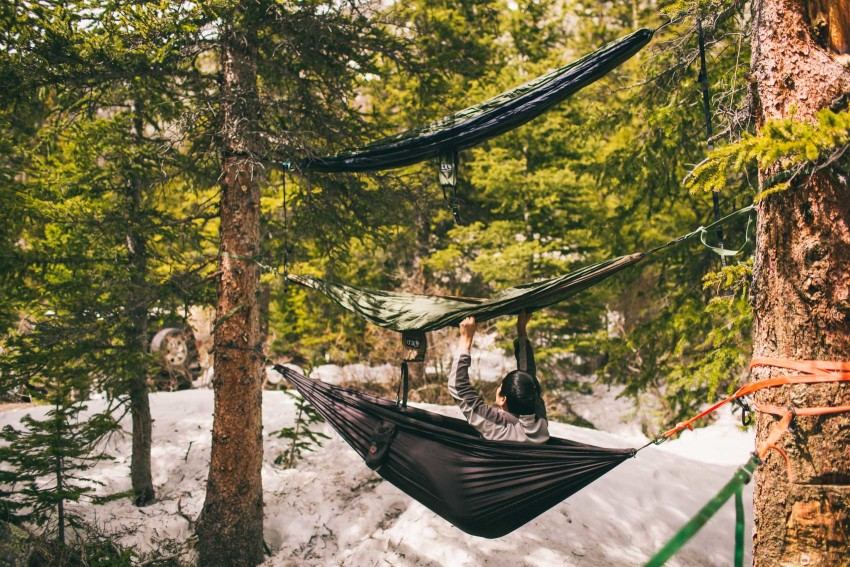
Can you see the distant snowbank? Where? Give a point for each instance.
(333, 510)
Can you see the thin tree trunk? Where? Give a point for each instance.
(231, 526)
(801, 294)
(58, 470)
(140, 409)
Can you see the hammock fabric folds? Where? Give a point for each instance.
(476, 124)
(484, 488)
(407, 312)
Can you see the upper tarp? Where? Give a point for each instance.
(406, 312)
(479, 123)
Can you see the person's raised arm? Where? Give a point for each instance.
(467, 333)
(522, 346)
(524, 354)
(459, 387)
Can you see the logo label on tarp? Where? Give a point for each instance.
(415, 345)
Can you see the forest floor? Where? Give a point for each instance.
(331, 509)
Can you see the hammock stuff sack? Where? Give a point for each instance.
(485, 488)
(476, 124)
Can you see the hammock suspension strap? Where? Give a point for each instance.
(448, 180)
(404, 384)
(812, 372)
(709, 133)
(734, 487)
(414, 345)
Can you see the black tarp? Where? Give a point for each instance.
(474, 125)
(485, 488)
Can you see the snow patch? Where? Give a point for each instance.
(332, 509)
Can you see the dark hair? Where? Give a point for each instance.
(520, 390)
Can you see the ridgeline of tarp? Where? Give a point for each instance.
(474, 125)
(407, 312)
(485, 488)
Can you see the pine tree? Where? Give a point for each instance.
(301, 436)
(49, 456)
(98, 241)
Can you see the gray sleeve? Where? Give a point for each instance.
(492, 423)
(524, 355)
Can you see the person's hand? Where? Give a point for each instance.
(467, 332)
(522, 320)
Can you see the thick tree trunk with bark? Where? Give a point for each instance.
(231, 526)
(137, 310)
(801, 292)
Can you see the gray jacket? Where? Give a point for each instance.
(492, 422)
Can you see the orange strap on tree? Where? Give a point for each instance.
(814, 372)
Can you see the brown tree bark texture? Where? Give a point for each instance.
(801, 296)
(230, 529)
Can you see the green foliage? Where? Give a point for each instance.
(111, 135)
(787, 145)
(48, 458)
(302, 438)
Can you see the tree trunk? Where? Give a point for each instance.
(801, 295)
(230, 530)
(58, 470)
(137, 310)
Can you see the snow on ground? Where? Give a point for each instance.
(333, 510)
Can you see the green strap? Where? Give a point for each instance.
(733, 487)
(228, 316)
(739, 527)
(264, 267)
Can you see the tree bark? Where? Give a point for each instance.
(137, 310)
(230, 529)
(801, 297)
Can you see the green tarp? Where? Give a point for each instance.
(406, 312)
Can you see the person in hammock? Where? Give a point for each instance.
(520, 413)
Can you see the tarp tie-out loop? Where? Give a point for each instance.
(720, 250)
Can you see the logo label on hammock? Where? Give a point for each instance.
(448, 168)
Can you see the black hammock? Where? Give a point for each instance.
(485, 488)
(474, 125)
